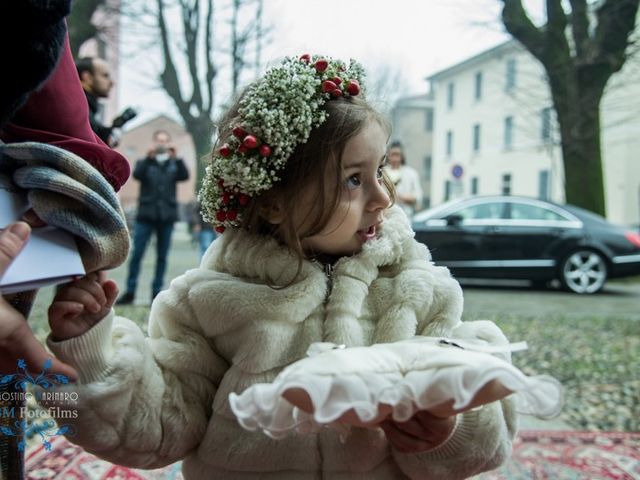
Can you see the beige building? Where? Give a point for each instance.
(138, 140)
(495, 132)
(412, 121)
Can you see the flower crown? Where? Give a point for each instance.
(277, 113)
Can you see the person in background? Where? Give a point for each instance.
(158, 174)
(405, 179)
(97, 83)
(201, 230)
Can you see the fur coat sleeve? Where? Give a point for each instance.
(144, 402)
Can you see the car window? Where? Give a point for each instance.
(525, 211)
(482, 211)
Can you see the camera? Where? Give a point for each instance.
(128, 114)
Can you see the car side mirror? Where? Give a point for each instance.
(454, 220)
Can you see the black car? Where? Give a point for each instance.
(509, 237)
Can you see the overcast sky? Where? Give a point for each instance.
(415, 37)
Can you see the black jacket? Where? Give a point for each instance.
(101, 130)
(157, 202)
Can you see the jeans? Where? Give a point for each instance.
(142, 232)
(205, 237)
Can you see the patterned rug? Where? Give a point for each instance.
(538, 455)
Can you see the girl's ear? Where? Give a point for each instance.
(273, 211)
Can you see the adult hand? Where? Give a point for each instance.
(171, 148)
(32, 218)
(17, 341)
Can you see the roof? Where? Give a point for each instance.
(505, 47)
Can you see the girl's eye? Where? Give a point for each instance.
(353, 181)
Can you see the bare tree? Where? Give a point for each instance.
(194, 102)
(578, 67)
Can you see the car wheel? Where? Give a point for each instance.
(583, 271)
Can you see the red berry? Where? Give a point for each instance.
(306, 58)
(328, 86)
(353, 87)
(243, 199)
(221, 183)
(220, 229)
(336, 80)
(225, 150)
(250, 141)
(243, 149)
(232, 215)
(221, 215)
(321, 65)
(336, 92)
(226, 198)
(265, 150)
(239, 132)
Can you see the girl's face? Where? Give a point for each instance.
(362, 197)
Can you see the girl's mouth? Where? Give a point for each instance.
(368, 234)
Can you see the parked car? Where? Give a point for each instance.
(510, 237)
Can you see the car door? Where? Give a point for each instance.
(456, 238)
(529, 234)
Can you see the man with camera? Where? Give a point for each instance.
(96, 81)
(158, 175)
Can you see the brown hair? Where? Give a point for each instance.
(306, 169)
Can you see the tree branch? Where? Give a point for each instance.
(616, 20)
(580, 27)
(211, 69)
(519, 25)
(169, 76)
(191, 26)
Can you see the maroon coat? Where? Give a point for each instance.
(58, 114)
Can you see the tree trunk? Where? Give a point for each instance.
(79, 23)
(201, 129)
(579, 123)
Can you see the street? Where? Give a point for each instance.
(616, 300)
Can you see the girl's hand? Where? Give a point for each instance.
(421, 432)
(79, 305)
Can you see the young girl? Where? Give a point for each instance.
(312, 250)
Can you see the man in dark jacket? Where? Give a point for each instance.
(96, 81)
(158, 175)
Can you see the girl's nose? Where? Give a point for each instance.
(379, 197)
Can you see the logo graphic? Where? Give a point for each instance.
(25, 422)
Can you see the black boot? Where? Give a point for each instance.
(126, 299)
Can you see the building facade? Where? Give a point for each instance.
(495, 132)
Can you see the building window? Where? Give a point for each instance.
(474, 185)
(449, 143)
(447, 190)
(478, 86)
(508, 133)
(476, 138)
(506, 184)
(543, 185)
(429, 120)
(451, 88)
(510, 79)
(545, 124)
(427, 167)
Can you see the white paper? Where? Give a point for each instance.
(49, 257)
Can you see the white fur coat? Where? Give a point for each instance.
(219, 328)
